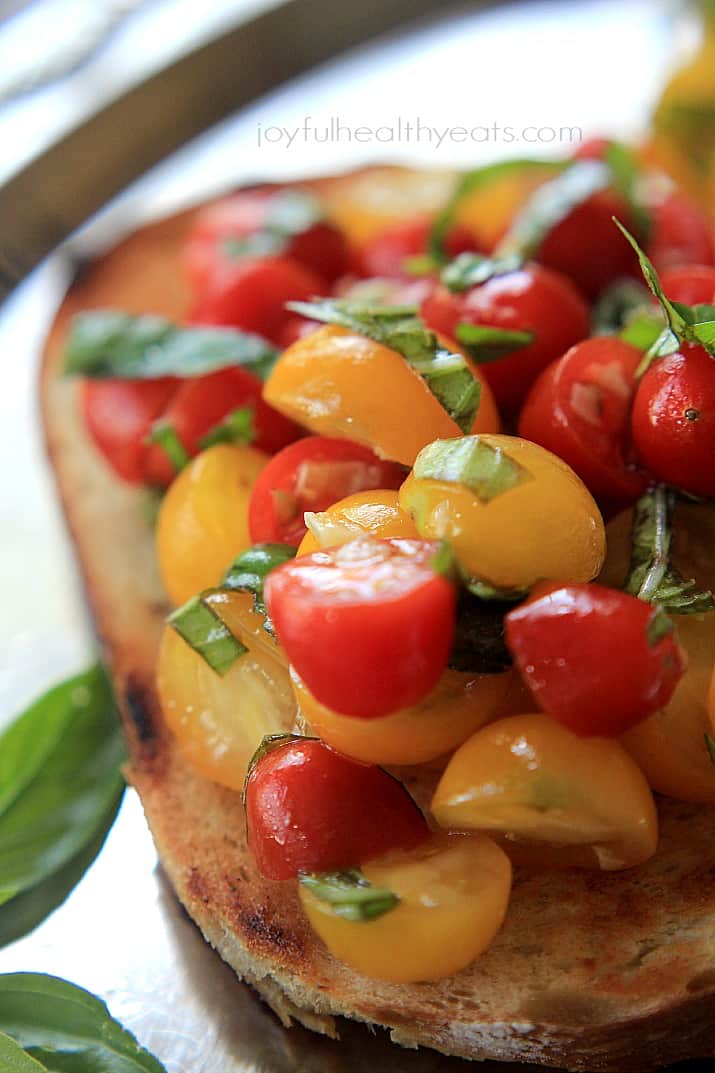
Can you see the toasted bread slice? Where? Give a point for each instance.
(590, 971)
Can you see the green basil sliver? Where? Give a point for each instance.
(349, 894)
(63, 808)
(446, 374)
(109, 343)
(485, 343)
(249, 571)
(209, 636)
(551, 203)
(471, 269)
(68, 1029)
(14, 1060)
(473, 462)
(164, 435)
(237, 427)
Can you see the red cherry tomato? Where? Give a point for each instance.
(593, 657)
(368, 626)
(119, 415)
(203, 402)
(674, 420)
(681, 233)
(312, 474)
(251, 293)
(588, 247)
(321, 248)
(593, 149)
(532, 299)
(691, 284)
(385, 255)
(579, 408)
(309, 809)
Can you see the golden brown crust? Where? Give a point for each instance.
(591, 971)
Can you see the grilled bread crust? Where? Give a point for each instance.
(591, 971)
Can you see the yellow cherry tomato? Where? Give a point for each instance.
(376, 513)
(203, 519)
(670, 746)
(219, 721)
(339, 383)
(367, 202)
(453, 891)
(530, 778)
(489, 210)
(513, 512)
(459, 705)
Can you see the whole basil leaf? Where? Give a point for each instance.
(66, 1029)
(52, 816)
(109, 343)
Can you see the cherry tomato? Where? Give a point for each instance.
(692, 284)
(593, 149)
(579, 408)
(588, 247)
(385, 254)
(119, 415)
(251, 294)
(593, 657)
(321, 247)
(530, 299)
(312, 474)
(674, 420)
(453, 891)
(309, 809)
(375, 513)
(681, 233)
(531, 779)
(202, 403)
(368, 626)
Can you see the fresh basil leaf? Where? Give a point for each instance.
(197, 623)
(552, 203)
(620, 305)
(479, 645)
(704, 333)
(625, 178)
(486, 343)
(287, 213)
(652, 576)
(710, 746)
(66, 1029)
(165, 436)
(236, 427)
(470, 269)
(249, 571)
(485, 591)
(349, 894)
(14, 1060)
(478, 179)
(447, 375)
(23, 913)
(644, 331)
(108, 343)
(660, 626)
(61, 810)
(472, 461)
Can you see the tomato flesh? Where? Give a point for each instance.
(385, 254)
(119, 415)
(586, 654)
(681, 233)
(530, 299)
(312, 475)
(579, 408)
(368, 626)
(692, 284)
(309, 809)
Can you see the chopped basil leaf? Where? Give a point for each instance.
(470, 269)
(479, 646)
(552, 203)
(652, 576)
(257, 244)
(472, 461)
(644, 331)
(67, 1028)
(443, 561)
(199, 625)
(108, 343)
(287, 213)
(486, 591)
(349, 894)
(710, 746)
(236, 427)
(475, 180)
(249, 571)
(625, 178)
(485, 343)
(165, 436)
(447, 375)
(660, 626)
(620, 305)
